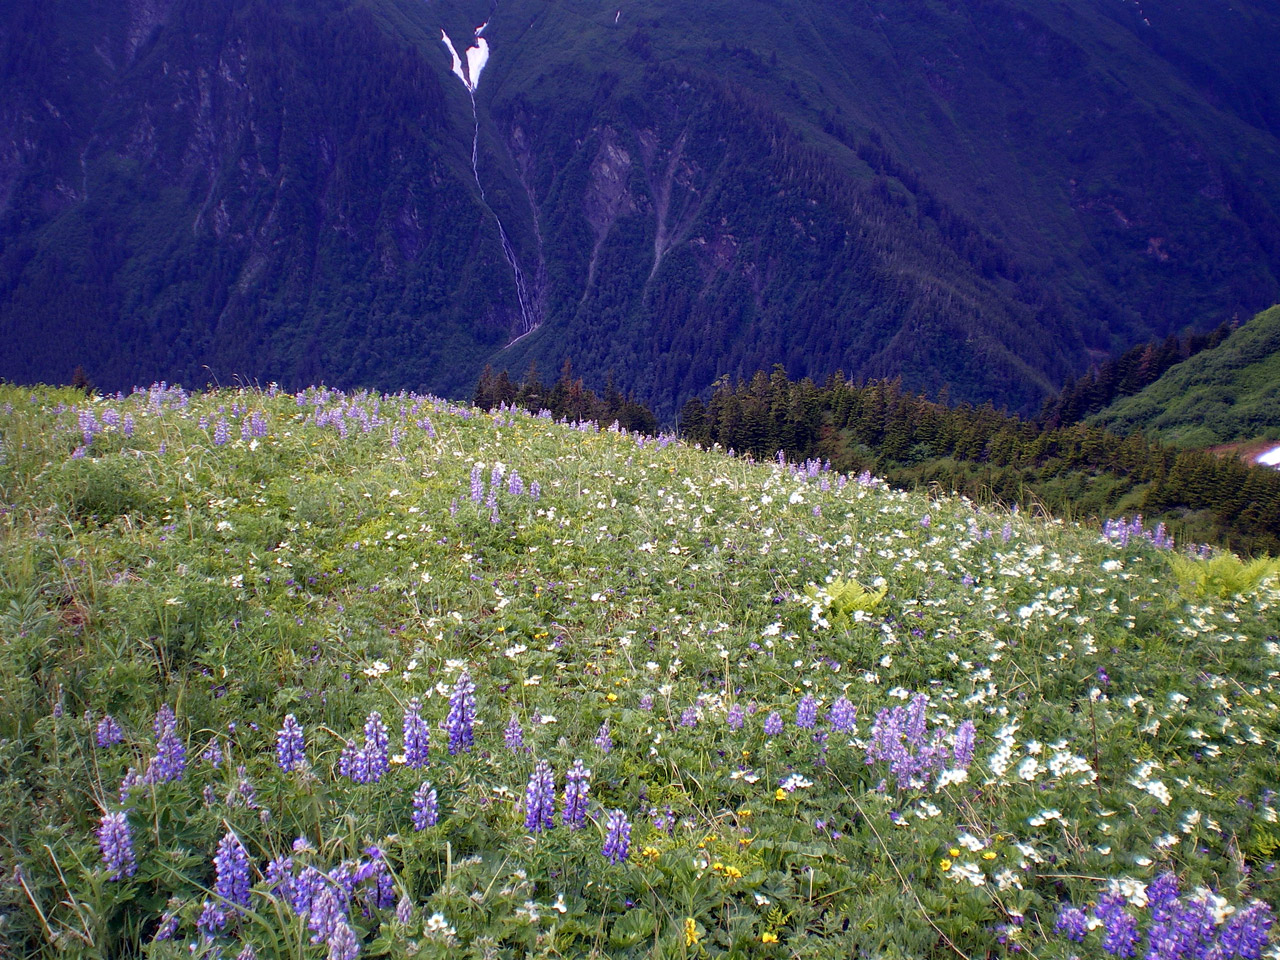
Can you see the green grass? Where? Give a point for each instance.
(1229, 393)
(333, 564)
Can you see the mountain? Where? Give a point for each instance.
(974, 196)
(1227, 394)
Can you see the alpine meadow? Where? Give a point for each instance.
(338, 675)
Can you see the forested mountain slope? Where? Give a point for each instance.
(978, 195)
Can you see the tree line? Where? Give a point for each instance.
(1072, 470)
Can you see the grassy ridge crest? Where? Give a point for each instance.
(1229, 393)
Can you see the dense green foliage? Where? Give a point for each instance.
(1076, 470)
(567, 399)
(1226, 394)
(1131, 372)
(696, 629)
(980, 196)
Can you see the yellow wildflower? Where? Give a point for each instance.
(768, 937)
(780, 794)
(690, 931)
(945, 865)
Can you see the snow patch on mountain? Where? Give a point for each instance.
(468, 70)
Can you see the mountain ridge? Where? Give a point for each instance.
(1227, 394)
(979, 196)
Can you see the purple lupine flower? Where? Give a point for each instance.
(916, 724)
(689, 718)
(772, 724)
(807, 712)
(212, 919)
(1006, 532)
(577, 783)
(170, 762)
(925, 521)
(127, 426)
(617, 841)
(115, 837)
(231, 866)
(604, 740)
(373, 758)
(417, 738)
(1245, 932)
(350, 760)
(540, 799)
(513, 735)
(404, 909)
(279, 877)
(247, 953)
(1162, 896)
(477, 483)
(327, 911)
(244, 791)
(212, 753)
(130, 780)
(515, 486)
(375, 869)
(342, 942)
(165, 720)
(963, 752)
(494, 518)
(646, 702)
(221, 432)
(168, 926)
(735, 717)
(462, 715)
(291, 749)
(1072, 922)
(426, 808)
(305, 889)
(842, 716)
(109, 732)
(1119, 928)
(535, 490)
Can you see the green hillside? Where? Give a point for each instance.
(331, 674)
(1226, 394)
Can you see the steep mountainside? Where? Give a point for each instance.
(1229, 393)
(974, 195)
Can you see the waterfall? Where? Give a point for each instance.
(468, 71)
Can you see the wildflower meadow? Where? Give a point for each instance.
(338, 675)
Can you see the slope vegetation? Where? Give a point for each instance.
(1226, 394)
(329, 674)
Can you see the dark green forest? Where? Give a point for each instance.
(985, 198)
